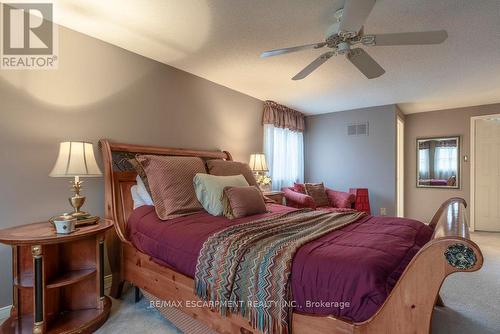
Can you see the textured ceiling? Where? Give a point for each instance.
(221, 40)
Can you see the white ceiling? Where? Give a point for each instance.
(221, 40)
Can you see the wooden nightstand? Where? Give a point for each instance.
(58, 279)
(277, 196)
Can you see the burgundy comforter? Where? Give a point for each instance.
(347, 273)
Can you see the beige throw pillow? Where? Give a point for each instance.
(208, 189)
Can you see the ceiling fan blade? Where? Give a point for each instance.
(314, 65)
(412, 38)
(278, 52)
(366, 64)
(355, 14)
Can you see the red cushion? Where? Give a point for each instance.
(340, 199)
(298, 200)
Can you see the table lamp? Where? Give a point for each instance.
(259, 166)
(76, 159)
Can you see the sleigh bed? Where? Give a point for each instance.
(407, 308)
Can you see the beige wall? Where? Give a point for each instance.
(102, 91)
(422, 203)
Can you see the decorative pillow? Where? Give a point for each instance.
(171, 183)
(208, 189)
(226, 168)
(318, 193)
(242, 201)
(299, 187)
(140, 196)
(141, 173)
(340, 199)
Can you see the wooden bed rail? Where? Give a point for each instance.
(417, 291)
(451, 219)
(409, 307)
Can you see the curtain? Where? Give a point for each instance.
(423, 164)
(445, 162)
(283, 117)
(283, 144)
(284, 150)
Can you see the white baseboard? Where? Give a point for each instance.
(5, 311)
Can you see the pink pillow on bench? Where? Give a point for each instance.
(340, 199)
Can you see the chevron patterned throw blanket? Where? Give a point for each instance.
(246, 268)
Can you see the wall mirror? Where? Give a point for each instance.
(438, 162)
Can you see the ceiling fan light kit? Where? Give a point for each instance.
(348, 32)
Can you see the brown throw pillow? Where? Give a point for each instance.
(228, 168)
(299, 187)
(140, 171)
(318, 193)
(171, 182)
(240, 202)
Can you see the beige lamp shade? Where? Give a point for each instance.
(75, 158)
(258, 162)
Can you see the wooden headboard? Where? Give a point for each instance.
(119, 176)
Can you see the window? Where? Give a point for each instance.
(284, 151)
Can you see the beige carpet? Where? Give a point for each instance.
(473, 299)
(472, 303)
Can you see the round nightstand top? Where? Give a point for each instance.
(45, 233)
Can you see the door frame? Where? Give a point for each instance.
(400, 166)
(472, 160)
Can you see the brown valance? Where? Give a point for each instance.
(283, 117)
(424, 145)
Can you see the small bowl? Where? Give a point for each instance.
(64, 224)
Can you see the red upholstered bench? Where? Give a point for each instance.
(355, 199)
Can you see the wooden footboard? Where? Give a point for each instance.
(408, 308)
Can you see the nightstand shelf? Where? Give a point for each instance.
(26, 282)
(80, 321)
(71, 277)
(58, 280)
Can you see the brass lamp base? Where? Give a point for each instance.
(77, 202)
(80, 215)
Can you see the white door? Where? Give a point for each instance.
(487, 175)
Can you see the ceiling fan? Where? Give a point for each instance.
(348, 32)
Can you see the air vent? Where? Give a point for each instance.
(358, 129)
